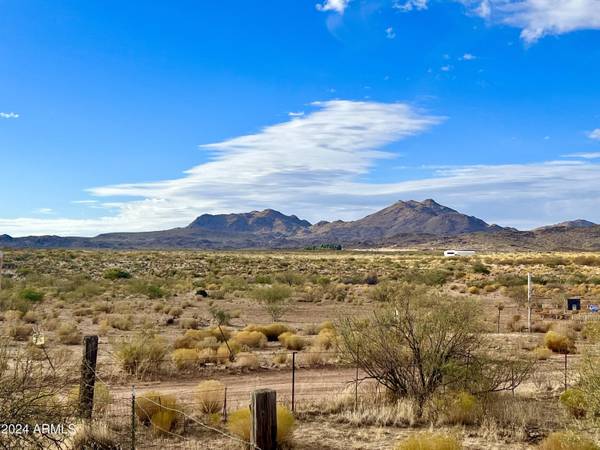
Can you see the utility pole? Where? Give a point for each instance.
(529, 302)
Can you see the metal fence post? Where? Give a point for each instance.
(566, 370)
(356, 380)
(225, 405)
(133, 417)
(293, 381)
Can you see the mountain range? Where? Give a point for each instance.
(405, 224)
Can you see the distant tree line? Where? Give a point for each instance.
(324, 247)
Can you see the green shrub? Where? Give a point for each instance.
(479, 267)
(429, 441)
(574, 400)
(150, 290)
(31, 295)
(116, 274)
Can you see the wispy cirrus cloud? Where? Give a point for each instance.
(9, 115)
(594, 134)
(318, 165)
(298, 166)
(583, 155)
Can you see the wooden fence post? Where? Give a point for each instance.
(88, 376)
(264, 419)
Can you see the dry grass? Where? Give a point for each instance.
(239, 424)
(430, 441)
(567, 441)
(250, 339)
(210, 396)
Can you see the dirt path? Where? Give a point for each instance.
(310, 384)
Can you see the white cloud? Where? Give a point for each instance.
(301, 166)
(318, 166)
(535, 18)
(594, 134)
(538, 18)
(338, 6)
(468, 57)
(410, 5)
(9, 115)
(583, 155)
(446, 68)
(44, 211)
(389, 33)
(484, 9)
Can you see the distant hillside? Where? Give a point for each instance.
(411, 217)
(404, 224)
(267, 221)
(579, 223)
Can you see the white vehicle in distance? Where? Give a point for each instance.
(453, 253)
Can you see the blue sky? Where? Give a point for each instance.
(128, 116)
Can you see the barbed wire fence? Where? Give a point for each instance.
(307, 384)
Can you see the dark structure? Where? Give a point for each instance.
(574, 304)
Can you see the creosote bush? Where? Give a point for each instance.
(274, 299)
(424, 340)
(575, 402)
(429, 441)
(116, 274)
(559, 343)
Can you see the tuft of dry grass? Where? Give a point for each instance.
(239, 423)
(250, 339)
(430, 441)
(567, 440)
(292, 341)
(210, 396)
(185, 358)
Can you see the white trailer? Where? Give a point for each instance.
(454, 253)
